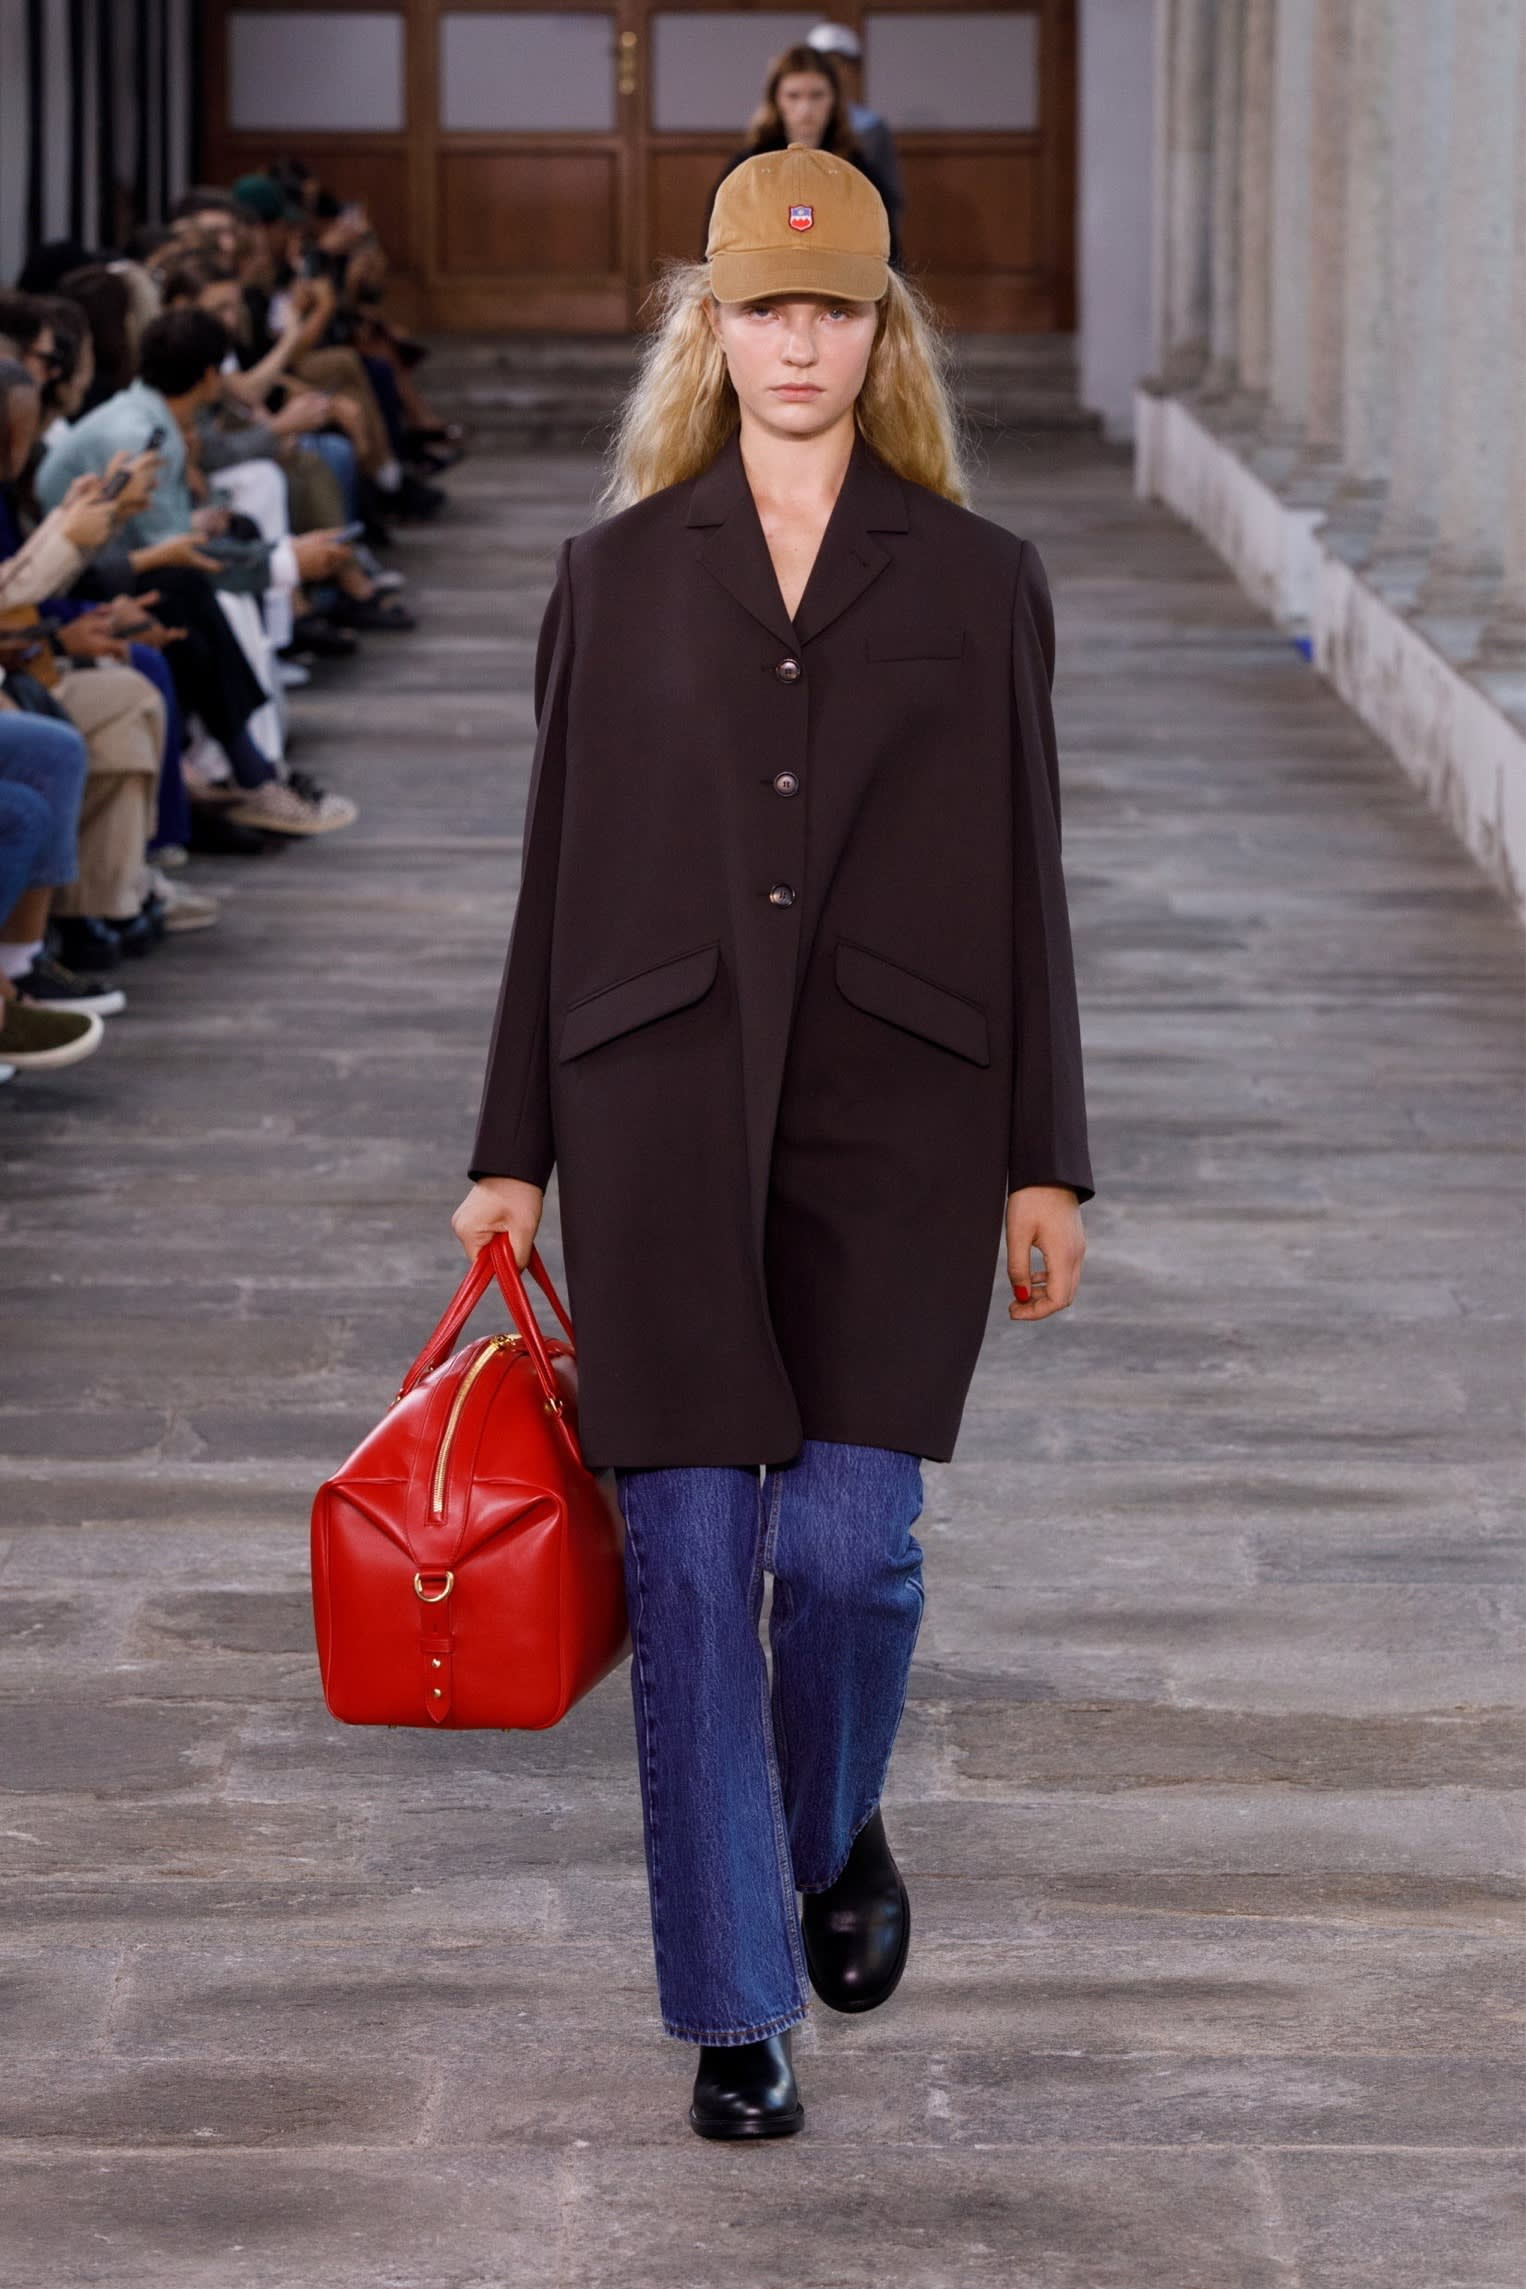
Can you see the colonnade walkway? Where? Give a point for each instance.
(1203, 1788)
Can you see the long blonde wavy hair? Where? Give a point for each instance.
(682, 408)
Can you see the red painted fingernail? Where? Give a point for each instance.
(1022, 1295)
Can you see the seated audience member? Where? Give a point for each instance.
(33, 1036)
(104, 296)
(76, 667)
(27, 329)
(181, 354)
(71, 363)
(231, 375)
(278, 466)
(283, 273)
(42, 775)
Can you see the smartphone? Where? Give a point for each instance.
(117, 485)
(349, 532)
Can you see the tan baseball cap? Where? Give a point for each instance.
(798, 221)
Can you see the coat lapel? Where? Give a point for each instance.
(732, 547)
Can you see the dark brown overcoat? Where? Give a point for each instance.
(789, 999)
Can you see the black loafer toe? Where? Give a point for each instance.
(746, 2090)
(858, 1930)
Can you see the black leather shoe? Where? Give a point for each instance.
(84, 942)
(746, 2090)
(139, 933)
(857, 1931)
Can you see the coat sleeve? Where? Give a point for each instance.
(514, 1133)
(46, 563)
(1048, 1143)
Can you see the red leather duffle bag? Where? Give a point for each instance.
(467, 1566)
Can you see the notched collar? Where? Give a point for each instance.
(730, 542)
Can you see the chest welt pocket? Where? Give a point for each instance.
(885, 989)
(914, 640)
(599, 1017)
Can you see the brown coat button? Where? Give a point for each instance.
(788, 671)
(786, 783)
(781, 895)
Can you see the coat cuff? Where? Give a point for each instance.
(1083, 1189)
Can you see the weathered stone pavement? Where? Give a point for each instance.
(1204, 1786)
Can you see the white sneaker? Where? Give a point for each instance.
(286, 810)
(184, 908)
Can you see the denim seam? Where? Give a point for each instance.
(684, 2033)
(650, 1761)
(781, 1591)
(768, 1515)
(865, 1818)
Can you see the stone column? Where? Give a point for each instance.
(1329, 91)
(1293, 73)
(1253, 302)
(1187, 173)
(1224, 220)
(1477, 381)
(1502, 650)
(1422, 112)
(1368, 348)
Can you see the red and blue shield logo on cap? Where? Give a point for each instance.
(801, 218)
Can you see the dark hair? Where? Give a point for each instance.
(48, 263)
(70, 326)
(147, 240)
(70, 334)
(201, 200)
(106, 300)
(179, 348)
(22, 318)
(187, 272)
(14, 378)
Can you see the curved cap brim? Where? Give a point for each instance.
(744, 273)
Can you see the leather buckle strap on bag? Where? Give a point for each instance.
(467, 1565)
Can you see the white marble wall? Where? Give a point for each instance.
(1340, 259)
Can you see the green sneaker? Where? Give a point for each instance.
(34, 1036)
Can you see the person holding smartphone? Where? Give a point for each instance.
(789, 1005)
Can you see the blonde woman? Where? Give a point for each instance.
(789, 1004)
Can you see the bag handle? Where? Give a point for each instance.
(495, 1260)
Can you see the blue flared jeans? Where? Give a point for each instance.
(753, 1786)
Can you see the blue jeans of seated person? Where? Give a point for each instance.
(754, 1788)
(45, 758)
(339, 453)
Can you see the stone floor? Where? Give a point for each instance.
(1204, 1790)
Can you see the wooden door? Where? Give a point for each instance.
(529, 166)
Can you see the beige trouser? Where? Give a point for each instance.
(317, 502)
(121, 719)
(342, 374)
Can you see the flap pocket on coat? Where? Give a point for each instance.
(615, 1009)
(915, 640)
(885, 990)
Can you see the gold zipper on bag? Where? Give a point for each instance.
(493, 1345)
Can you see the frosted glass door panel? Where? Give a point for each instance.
(521, 71)
(708, 71)
(958, 71)
(334, 69)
